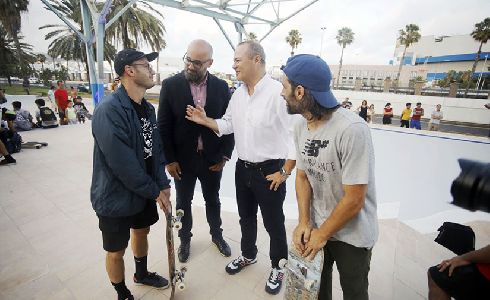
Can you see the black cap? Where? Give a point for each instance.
(128, 56)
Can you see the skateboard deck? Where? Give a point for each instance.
(302, 276)
(176, 276)
(34, 145)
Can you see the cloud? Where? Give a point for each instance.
(375, 24)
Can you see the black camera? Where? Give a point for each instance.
(471, 189)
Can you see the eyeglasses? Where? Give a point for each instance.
(147, 66)
(196, 63)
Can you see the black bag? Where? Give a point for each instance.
(14, 143)
(47, 114)
(458, 238)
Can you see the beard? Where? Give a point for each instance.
(194, 77)
(295, 108)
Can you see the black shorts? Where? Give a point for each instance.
(466, 282)
(115, 230)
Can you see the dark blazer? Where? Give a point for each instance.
(180, 135)
(120, 182)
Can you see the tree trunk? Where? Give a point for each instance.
(473, 69)
(125, 37)
(397, 80)
(340, 66)
(18, 48)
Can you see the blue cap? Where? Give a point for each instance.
(313, 73)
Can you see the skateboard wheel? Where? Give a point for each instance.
(178, 225)
(283, 262)
(309, 284)
(181, 286)
(179, 213)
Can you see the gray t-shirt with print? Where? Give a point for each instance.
(339, 152)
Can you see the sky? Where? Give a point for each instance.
(375, 24)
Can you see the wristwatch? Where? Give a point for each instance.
(283, 172)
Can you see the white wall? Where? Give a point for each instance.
(454, 109)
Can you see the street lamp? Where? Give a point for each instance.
(321, 44)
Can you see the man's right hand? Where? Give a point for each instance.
(196, 114)
(174, 170)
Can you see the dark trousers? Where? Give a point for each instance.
(252, 192)
(386, 120)
(405, 123)
(210, 185)
(353, 264)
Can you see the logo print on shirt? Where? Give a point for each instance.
(147, 137)
(312, 147)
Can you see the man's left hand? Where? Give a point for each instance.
(276, 180)
(218, 167)
(316, 243)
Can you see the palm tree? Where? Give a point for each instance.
(128, 27)
(345, 36)
(407, 37)
(480, 34)
(67, 44)
(252, 37)
(10, 17)
(9, 58)
(42, 59)
(294, 39)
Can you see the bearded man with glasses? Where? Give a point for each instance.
(194, 151)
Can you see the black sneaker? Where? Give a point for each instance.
(184, 251)
(222, 246)
(152, 279)
(7, 161)
(238, 264)
(274, 283)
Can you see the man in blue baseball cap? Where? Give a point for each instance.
(334, 178)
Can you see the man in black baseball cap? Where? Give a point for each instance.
(128, 171)
(334, 178)
(127, 56)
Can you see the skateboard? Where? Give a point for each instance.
(33, 145)
(176, 276)
(302, 276)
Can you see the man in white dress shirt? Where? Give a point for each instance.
(258, 117)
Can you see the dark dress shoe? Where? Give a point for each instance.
(184, 251)
(222, 246)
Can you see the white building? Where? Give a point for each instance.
(431, 58)
(439, 54)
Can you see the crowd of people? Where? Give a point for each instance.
(57, 109)
(409, 118)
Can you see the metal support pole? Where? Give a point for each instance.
(100, 32)
(86, 16)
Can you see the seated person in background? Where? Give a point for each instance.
(45, 116)
(23, 118)
(8, 118)
(70, 114)
(462, 277)
(9, 138)
(8, 159)
(81, 110)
